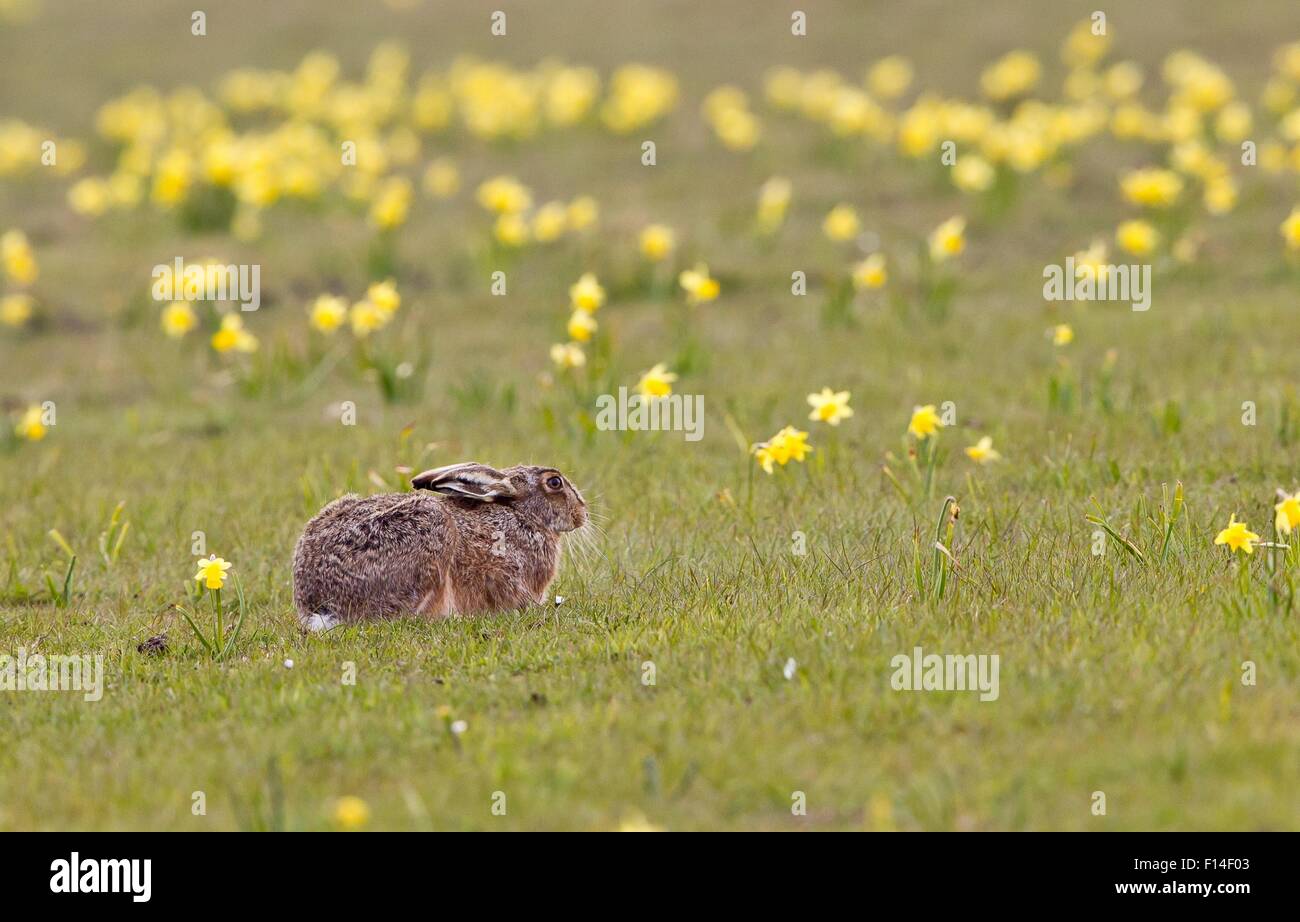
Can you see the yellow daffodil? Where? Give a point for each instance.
(1013, 74)
(829, 406)
(350, 813)
(1290, 229)
(212, 572)
(1237, 536)
(582, 214)
(18, 259)
(568, 355)
(1152, 187)
(586, 294)
(16, 309)
(925, 422)
(1062, 334)
(511, 229)
(1137, 237)
(233, 337)
(948, 239)
(657, 242)
(889, 77)
(178, 318)
(31, 426)
(698, 285)
(366, 318)
(982, 452)
(504, 195)
(788, 445)
(657, 382)
(384, 296)
(550, 222)
(328, 313)
(870, 272)
(972, 173)
(773, 201)
(581, 326)
(1288, 513)
(841, 223)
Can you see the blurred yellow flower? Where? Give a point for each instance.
(16, 309)
(233, 336)
(657, 242)
(581, 326)
(89, 196)
(568, 355)
(1153, 187)
(636, 822)
(1062, 334)
(31, 425)
(511, 229)
(350, 813)
(1137, 237)
(1291, 229)
(586, 294)
(948, 239)
(384, 296)
(773, 201)
(441, 179)
(1013, 74)
(972, 173)
(698, 285)
(841, 223)
(890, 77)
(657, 382)
(829, 406)
(18, 258)
(366, 318)
(391, 203)
(583, 213)
(549, 222)
(925, 422)
(212, 572)
(982, 452)
(328, 313)
(871, 272)
(504, 195)
(178, 318)
(1237, 536)
(1288, 513)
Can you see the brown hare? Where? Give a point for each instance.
(469, 539)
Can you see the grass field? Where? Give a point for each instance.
(1121, 672)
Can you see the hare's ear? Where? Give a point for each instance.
(468, 480)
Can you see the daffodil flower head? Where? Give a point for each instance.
(829, 406)
(657, 382)
(212, 572)
(1288, 512)
(587, 294)
(982, 452)
(925, 422)
(1237, 536)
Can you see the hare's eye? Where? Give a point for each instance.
(554, 483)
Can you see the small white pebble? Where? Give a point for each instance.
(459, 726)
(790, 666)
(288, 664)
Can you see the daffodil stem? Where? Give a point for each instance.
(218, 645)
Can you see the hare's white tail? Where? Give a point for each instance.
(320, 621)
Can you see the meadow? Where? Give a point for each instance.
(495, 251)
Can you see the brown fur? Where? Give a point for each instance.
(486, 540)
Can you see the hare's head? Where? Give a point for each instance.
(542, 494)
